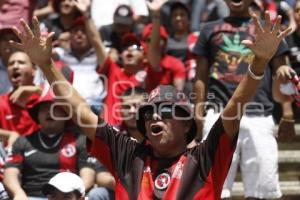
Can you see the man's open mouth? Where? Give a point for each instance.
(156, 129)
(237, 2)
(16, 76)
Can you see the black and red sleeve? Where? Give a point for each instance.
(214, 156)
(114, 150)
(16, 157)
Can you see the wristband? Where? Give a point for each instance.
(252, 75)
(287, 120)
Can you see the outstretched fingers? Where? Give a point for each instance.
(258, 27)
(268, 24)
(49, 39)
(27, 31)
(16, 45)
(36, 27)
(277, 25)
(285, 33)
(248, 43)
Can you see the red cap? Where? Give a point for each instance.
(34, 109)
(80, 20)
(148, 29)
(130, 38)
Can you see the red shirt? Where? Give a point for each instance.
(16, 118)
(117, 82)
(171, 69)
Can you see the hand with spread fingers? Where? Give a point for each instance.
(21, 95)
(155, 5)
(38, 48)
(83, 6)
(268, 37)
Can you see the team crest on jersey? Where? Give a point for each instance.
(68, 150)
(140, 76)
(162, 181)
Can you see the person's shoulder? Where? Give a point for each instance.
(211, 24)
(23, 140)
(169, 61)
(4, 98)
(106, 29)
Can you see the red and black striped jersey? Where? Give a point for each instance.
(38, 163)
(199, 173)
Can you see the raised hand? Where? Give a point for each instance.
(155, 5)
(38, 48)
(83, 6)
(268, 37)
(21, 95)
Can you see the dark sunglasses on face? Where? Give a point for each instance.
(165, 112)
(133, 47)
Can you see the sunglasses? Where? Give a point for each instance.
(165, 112)
(133, 47)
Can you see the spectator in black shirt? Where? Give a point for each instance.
(55, 147)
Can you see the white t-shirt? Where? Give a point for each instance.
(5, 84)
(103, 10)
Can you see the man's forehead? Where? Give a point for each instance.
(134, 98)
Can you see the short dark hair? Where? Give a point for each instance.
(77, 194)
(181, 5)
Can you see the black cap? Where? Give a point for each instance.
(123, 15)
(179, 4)
(167, 94)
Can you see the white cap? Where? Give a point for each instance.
(65, 182)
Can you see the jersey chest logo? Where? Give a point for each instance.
(69, 150)
(162, 181)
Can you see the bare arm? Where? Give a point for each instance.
(264, 48)
(283, 72)
(96, 41)
(88, 176)
(45, 11)
(105, 179)
(93, 34)
(200, 90)
(39, 50)
(154, 52)
(9, 136)
(12, 184)
(22, 95)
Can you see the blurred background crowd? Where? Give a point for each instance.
(110, 53)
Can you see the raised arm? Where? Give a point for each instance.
(96, 41)
(154, 53)
(93, 34)
(264, 47)
(200, 89)
(39, 50)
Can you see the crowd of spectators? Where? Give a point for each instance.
(114, 52)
